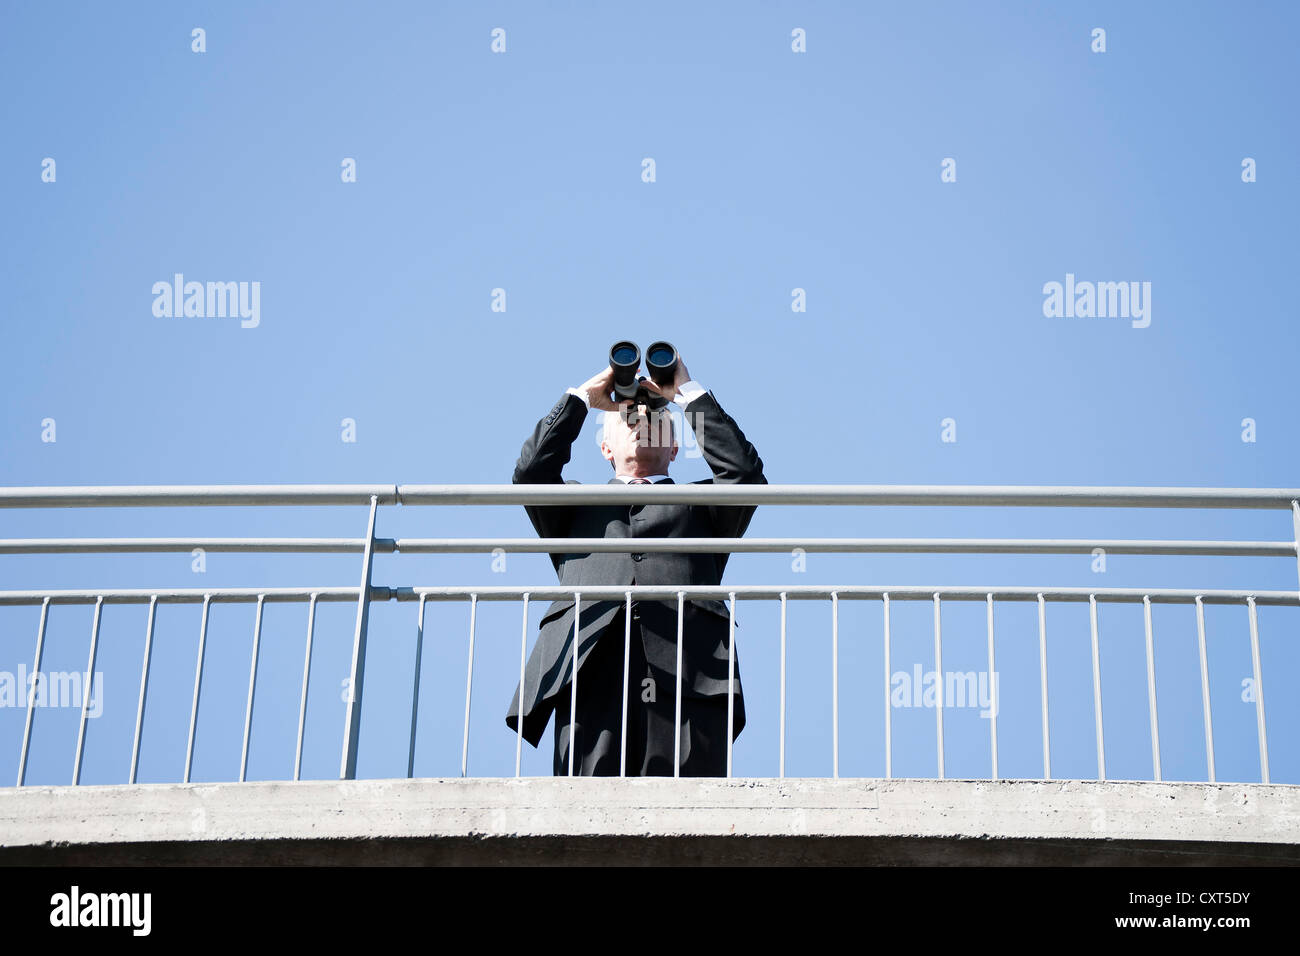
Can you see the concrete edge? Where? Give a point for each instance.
(477, 809)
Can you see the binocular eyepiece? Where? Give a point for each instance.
(660, 362)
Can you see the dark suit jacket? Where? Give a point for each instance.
(706, 627)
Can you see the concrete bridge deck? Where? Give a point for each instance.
(654, 821)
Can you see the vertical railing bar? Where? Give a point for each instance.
(357, 673)
(1295, 525)
(938, 672)
(994, 693)
(573, 677)
(469, 683)
(1151, 686)
(306, 678)
(198, 681)
(1259, 691)
(889, 741)
(731, 677)
(415, 687)
(627, 667)
(677, 703)
(31, 691)
(144, 686)
(1096, 687)
(1205, 687)
(523, 649)
(835, 685)
(782, 744)
(86, 689)
(1042, 679)
(252, 684)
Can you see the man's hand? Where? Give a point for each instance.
(679, 379)
(600, 390)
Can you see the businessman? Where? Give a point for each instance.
(639, 448)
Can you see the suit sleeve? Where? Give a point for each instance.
(543, 457)
(732, 458)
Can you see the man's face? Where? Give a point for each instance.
(642, 446)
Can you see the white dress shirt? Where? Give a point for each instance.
(690, 391)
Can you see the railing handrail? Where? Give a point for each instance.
(1090, 496)
(1203, 548)
(158, 496)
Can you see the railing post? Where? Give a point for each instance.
(1295, 525)
(469, 684)
(677, 703)
(781, 755)
(938, 673)
(31, 692)
(1042, 665)
(889, 737)
(1096, 685)
(627, 664)
(415, 687)
(1151, 686)
(1259, 691)
(306, 680)
(523, 647)
(88, 687)
(994, 699)
(573, 677)
(144, 686)
(198, 686)
(252, 689)
(835, 685)
(352, 729)
(1205, 688)
(731, 677)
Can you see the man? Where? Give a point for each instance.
(639, 448)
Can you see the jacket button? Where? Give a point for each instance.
(637, 557)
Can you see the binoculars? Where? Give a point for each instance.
(625, 360)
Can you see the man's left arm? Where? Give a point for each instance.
(730, 455)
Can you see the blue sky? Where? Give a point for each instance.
(774, 171)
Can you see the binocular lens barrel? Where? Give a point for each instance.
(661, 361)
(625, 354)
(624, 359)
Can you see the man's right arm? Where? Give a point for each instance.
(543, 457)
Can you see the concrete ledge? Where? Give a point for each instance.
(559, 820)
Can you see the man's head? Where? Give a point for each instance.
(639, 445)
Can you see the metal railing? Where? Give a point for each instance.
(366, 592)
